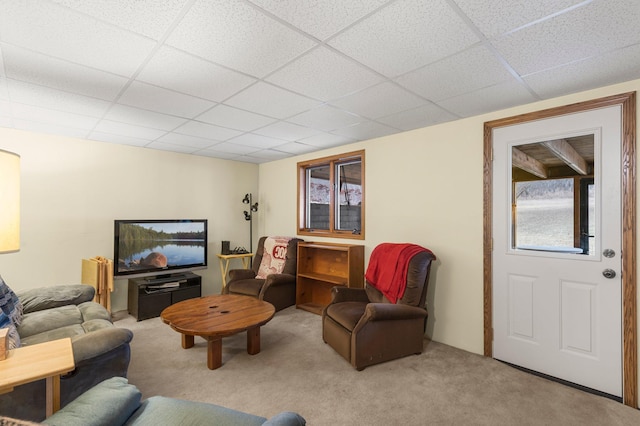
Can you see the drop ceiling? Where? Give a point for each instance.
(261, 80)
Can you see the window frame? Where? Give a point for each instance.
(332, 162)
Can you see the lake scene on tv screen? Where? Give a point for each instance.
(160, 245)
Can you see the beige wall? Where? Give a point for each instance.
(72, 190)
(424, 186)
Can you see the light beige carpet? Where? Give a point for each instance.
(297, 371)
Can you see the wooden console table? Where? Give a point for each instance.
(46, 360)
(225, 259)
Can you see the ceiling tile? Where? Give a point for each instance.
(216, 154)
(600, 71)
(258, 141)
(286, 131)
(367, 102)
(268, 155)
(179, 71)
(124, 129)
(320, 19)
(219, 30)
(45, 71)
(151, 18)
(406, 35)
(296, 148)
(165, 101)
(235, 118)
(186, 140)
(324, 74)
(463, 72)
(326, 118)
(118, 139)
(49, 128)
(272, 101)
(366, 130)
(235, 148)
(489, 99)
(50, 116)
(492, 20)
(423, 116)
(48, 28)
(207, 131)
(131, 115)
(31, 94)
(583, 32)
(171, 147)
(326, 140)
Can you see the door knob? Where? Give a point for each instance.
(609, 273)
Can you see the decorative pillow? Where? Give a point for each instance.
(273, 257)
(12, 335)
(9, 303)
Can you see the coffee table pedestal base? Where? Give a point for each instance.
(214, 346)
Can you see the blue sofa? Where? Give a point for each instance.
(115, 402)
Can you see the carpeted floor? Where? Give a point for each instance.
(297, 371)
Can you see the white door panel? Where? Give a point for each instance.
(553, 310)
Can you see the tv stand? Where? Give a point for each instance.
(149, 296)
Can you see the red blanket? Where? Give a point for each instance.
(387, 270)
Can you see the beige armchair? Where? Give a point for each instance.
(365, 328)
(277, 289)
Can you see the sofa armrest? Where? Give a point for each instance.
(390, 311)
(38, 299)
(286, 418)
(241, 274)
(98, 342)
(108, 403)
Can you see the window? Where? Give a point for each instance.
(331, 196)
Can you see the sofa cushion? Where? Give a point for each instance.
(50, 319)
(347, 314)
(110, 402)
(38, 299)
(160, 410)
(55, 334)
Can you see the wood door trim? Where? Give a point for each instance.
(629, 286)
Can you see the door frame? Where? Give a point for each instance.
(627, 101)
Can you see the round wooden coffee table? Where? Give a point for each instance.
(215, 317)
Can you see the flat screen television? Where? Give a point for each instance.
(159, 247)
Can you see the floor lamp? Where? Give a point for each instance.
(248, 215)
(10, 202)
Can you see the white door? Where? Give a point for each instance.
(554, 310)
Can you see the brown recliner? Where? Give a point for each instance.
(365, 328)
(277, 289)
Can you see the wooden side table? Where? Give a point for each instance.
(225, 259)
(46, 360)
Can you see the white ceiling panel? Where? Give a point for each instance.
(208, 131)
(182, 72)
(580, 33)
(477, 67)
(219, 29)
(267, 99)
(234, 118)
(257, 141)
(286, 131)
(493, 21)
(497, 97)
(426, 115)
(151, 18)
(406, 35)
(124, 129)
(365, 103)
(155, 120)
(324, 74)
(162, 100)
(72, 36)
(23, 65)
(31, 94)
(258, 80)
(320, 19)
(326, 118)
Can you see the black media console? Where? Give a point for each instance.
(149, 296)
